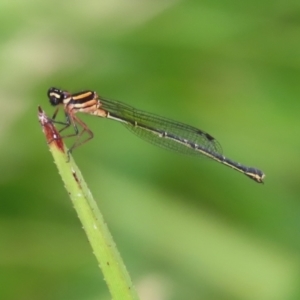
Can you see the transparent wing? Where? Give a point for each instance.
(158, 130)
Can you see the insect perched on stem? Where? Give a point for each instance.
(158, 130)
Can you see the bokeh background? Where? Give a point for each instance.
(187, 228)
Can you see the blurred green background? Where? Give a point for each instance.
(187, 228)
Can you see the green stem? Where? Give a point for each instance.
(104, 248)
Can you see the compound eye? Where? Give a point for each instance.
(56, 96)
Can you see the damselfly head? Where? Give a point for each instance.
(56, 96)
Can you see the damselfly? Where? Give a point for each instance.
(155, 129)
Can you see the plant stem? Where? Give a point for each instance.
(104, 248)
